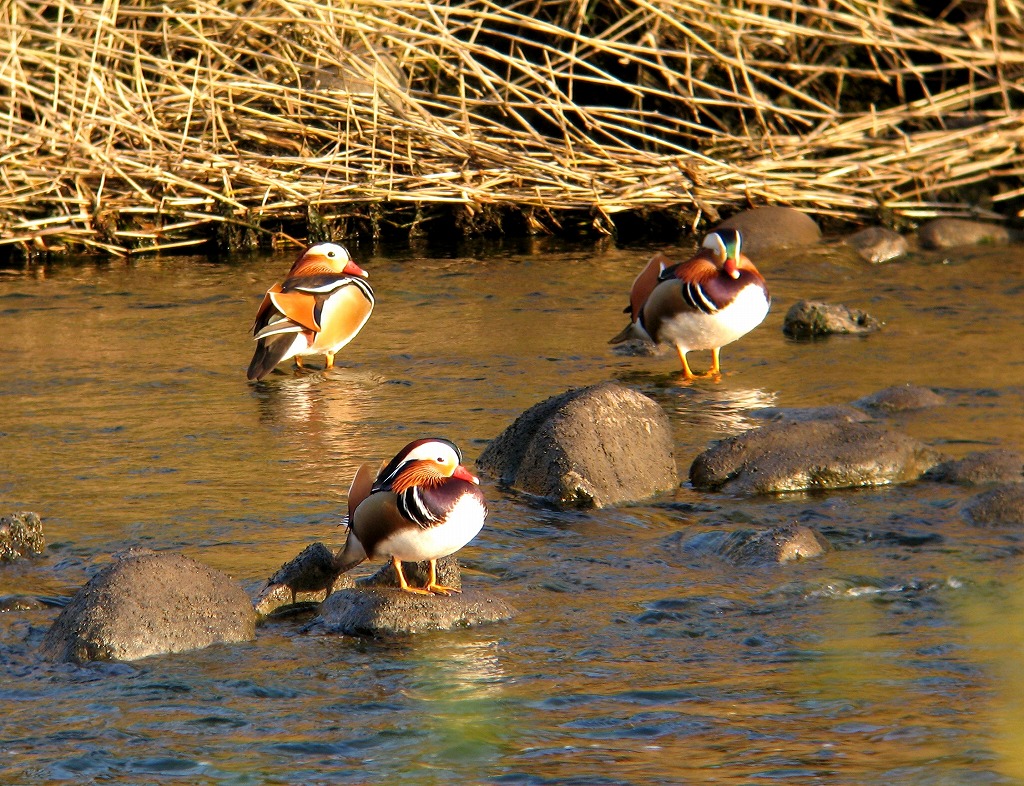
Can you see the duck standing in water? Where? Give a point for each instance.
(704, 303)
(423, 505)
(320, 306)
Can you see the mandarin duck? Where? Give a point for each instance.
(320, 306)
(423, 505)
(704, 303)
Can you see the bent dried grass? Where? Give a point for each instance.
(132, 127)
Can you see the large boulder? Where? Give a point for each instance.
(809, 319)
(798, 456)
(589, 447)
(767, 228)
(148, 603)
(21, 535)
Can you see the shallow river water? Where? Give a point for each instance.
(125, 419)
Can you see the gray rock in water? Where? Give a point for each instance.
(752, 548)
(807, 319)
(379, 611)
(941, 233)
(147, 603)
(309, 578)
(1002, 506)
(590, 447)
(979, 468)
(21, 535)
(878, 244)
(766, 228)
(9, 603)
(782, 457)
(900, 398)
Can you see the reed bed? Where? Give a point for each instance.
(134, 126)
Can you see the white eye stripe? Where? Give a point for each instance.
(716, 244)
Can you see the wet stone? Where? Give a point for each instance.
(781, 457)
(900, 398)
(21, 535)
(9, 603)
(808, 319)
(805, 414)
(941, 233)
(979, 468)
(376, 611)
(1002, 506)
(751, 548)
(878, 244)
(589, 447)
(766, 228)
(637, 348)
(147, 603)
(308, 578)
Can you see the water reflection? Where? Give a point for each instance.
(320, 416)
(722, 409)
(457, 689)
(713, 405)
(993, 624)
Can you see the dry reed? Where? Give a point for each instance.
(131, 126)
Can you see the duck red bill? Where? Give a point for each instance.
(354, 270)
(464, 474)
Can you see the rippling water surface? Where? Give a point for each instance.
(125, 419)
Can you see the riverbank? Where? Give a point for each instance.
(132, 129)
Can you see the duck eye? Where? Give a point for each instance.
(330, 254)
(440, 459)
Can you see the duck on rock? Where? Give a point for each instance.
(319, 308)
(423, 505)
(704, 303)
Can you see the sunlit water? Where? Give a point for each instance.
(125, 419)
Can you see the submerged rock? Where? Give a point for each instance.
(766, 228)
(975, 469)
(382, 611)
(943, 233)
(752, 548)
(9, 603)
(805, 414)
(309, 578)
(782, 457)
(589, 447)
(900, 398)
(878, 244)
(1002, 506)
(148, 603)
(21, 535)
(807, 319)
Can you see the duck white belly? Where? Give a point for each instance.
(415, 544)
(693, 330)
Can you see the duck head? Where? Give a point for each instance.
(423, 462)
